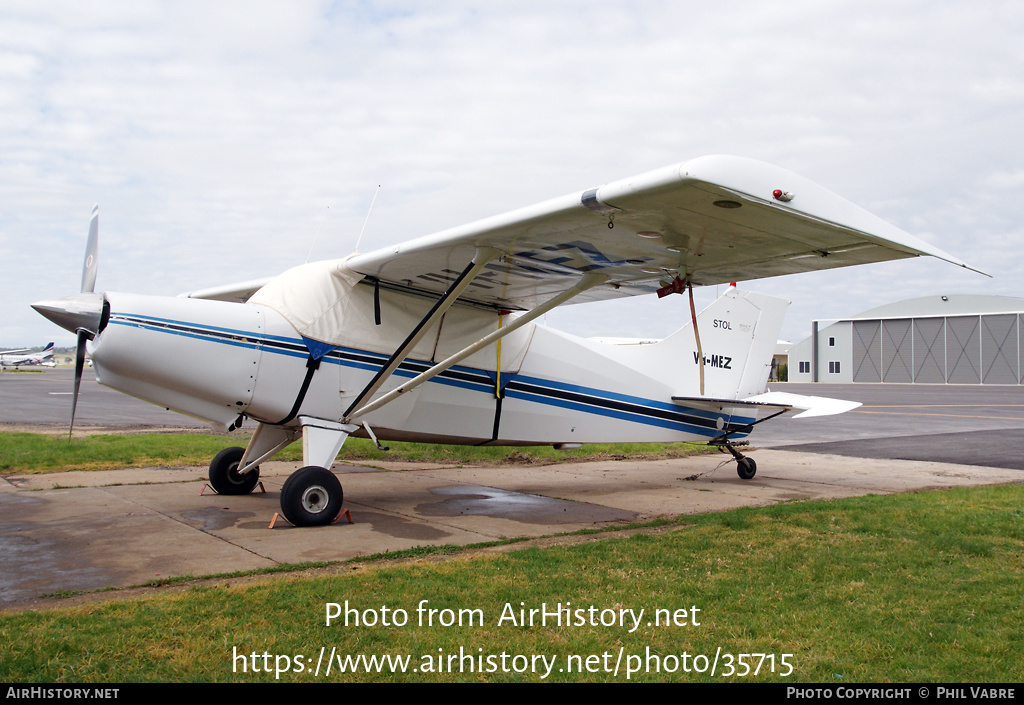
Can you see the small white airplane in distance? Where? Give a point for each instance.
(25, 356)
(434, 339)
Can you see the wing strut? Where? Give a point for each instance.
(588, 281)
(676, 286)
(696, 335)
(481, 259)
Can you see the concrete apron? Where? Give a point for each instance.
(76, 531)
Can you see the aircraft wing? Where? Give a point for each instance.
(238, 292)
(714, 219)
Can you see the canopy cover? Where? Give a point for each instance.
(315, 298)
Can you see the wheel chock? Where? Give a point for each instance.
(344, 513)
(259, 484)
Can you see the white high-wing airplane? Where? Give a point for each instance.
(434, 339)
(24, 356)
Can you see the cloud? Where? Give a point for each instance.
(215, 137)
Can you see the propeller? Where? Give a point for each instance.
(80, 313)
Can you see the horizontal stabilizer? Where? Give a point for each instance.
(812, 406)
(780, 401)
(719, 405)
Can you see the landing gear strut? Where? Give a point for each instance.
(746, 468)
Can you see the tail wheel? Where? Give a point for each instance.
(746, 468)
(311, 496)
(224, 475)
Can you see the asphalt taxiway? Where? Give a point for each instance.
(77, 531)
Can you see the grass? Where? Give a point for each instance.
(40, 453)
(918, 587)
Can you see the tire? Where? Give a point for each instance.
(224, 475)
(311, 496)
(746, 468)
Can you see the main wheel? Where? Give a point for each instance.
(224, 475)
(746, 468)
(311, 496)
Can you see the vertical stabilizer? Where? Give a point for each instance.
(738, 333)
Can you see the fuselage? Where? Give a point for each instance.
(218, 361)
(44, 357)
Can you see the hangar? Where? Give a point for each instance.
(940, 339)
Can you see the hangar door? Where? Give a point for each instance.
(929, 350)
(867, 351)
(897, 351)
(980, 349)
(999, 360)
(963, 350)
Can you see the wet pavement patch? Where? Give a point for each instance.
(31, 566)
(399, 527)
(215, 518)
(474, 500)
(39, 558)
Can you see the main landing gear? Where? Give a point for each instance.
(746, 468)
(311, 496)
(224, 475)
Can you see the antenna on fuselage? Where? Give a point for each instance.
(367, 220)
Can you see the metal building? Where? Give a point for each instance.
(955, 339)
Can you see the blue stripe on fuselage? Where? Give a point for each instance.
(534, 389)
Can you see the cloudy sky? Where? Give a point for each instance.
(216, 137)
